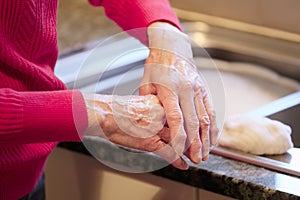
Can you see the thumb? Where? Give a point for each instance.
(147, 88)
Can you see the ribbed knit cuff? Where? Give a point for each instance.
(53, 116)
(138, 14)
(130, 14)
(11, 115)
(95, 2)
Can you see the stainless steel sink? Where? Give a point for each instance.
(281, 56)
(290, 116)
(286, 110)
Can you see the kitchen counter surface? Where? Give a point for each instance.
(78, 23)
(220, 175)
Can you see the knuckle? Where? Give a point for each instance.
(204, 127)
(204, 121)
(201, 90)
(204, 92)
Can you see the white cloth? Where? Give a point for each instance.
(256, 135)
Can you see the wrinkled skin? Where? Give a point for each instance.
(171, 75)
(181, 120)
(132, 121)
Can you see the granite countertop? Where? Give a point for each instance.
(78, 23)
(220, 175)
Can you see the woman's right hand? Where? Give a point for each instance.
(132, 121)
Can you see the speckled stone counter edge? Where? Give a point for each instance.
(219, 175)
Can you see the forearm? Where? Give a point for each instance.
(134, 16)
(34, 117)
(130, 14)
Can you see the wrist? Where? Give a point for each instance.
(164, 25)
(97, 113)
(164, 36)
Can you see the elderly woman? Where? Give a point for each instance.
(37, 112)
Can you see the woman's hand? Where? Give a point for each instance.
(171, 75)
(132, 121)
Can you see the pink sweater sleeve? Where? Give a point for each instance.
(130, 14)
(35, 117)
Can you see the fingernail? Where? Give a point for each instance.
(200, 154)
(211, 147)
(205, 158)
(197, 158)
(184, 165)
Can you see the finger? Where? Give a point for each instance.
(165, 151)
(214, 130)
(191, 124)
(193, 150)
(180, 164)
(152, 144)
(204, 125)
(174, 119)
(146, 88)
(169, 154)
(164, 135)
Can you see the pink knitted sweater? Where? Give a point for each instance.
(35, 109)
